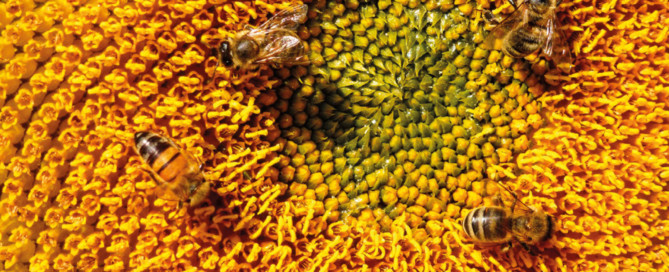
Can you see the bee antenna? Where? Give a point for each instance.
(218, 62)
(211, 80)
(215, 68)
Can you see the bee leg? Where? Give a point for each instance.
(506, 248)
(275, 65)
(150, 174)
(497, 201)
(216, 53)
(513, 3)
(528, 248)
(212, 9)
(515, 199)
(490, 18)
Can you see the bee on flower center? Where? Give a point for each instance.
(274, 42)
(178, 174)
(532, 26)
(498, 224)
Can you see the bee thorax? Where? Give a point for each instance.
(247, 49)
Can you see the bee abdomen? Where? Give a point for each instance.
(524, 41)
(487, 224)
(163, 157)
(150, 146)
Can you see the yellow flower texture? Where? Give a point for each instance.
(349, 163)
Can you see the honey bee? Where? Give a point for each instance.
(178, 174)
(532, 26)
(498, 224)
(274, 42)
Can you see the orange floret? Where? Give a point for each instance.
(79, 78)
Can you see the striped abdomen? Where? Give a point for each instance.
(163, 156)
(488, 225)
(527, 39)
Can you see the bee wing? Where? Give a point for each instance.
(289, 18)
(521, 208)
(556, 46)
(508, 198)
(282, 47)
(169, 139)
(516, 19)
(189, 157)
(172, 191)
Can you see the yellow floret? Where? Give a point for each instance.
(366, 159)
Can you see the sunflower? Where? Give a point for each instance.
(365, 159)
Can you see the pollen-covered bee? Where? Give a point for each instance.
(178, 174)
(274, 42)
(532, 26)
(498, 224)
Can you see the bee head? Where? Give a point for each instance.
(224, 54)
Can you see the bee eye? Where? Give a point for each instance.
(224, 48)
(225, 55)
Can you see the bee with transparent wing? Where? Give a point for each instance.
(275, 42)
(499, 223)
(532, 26)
